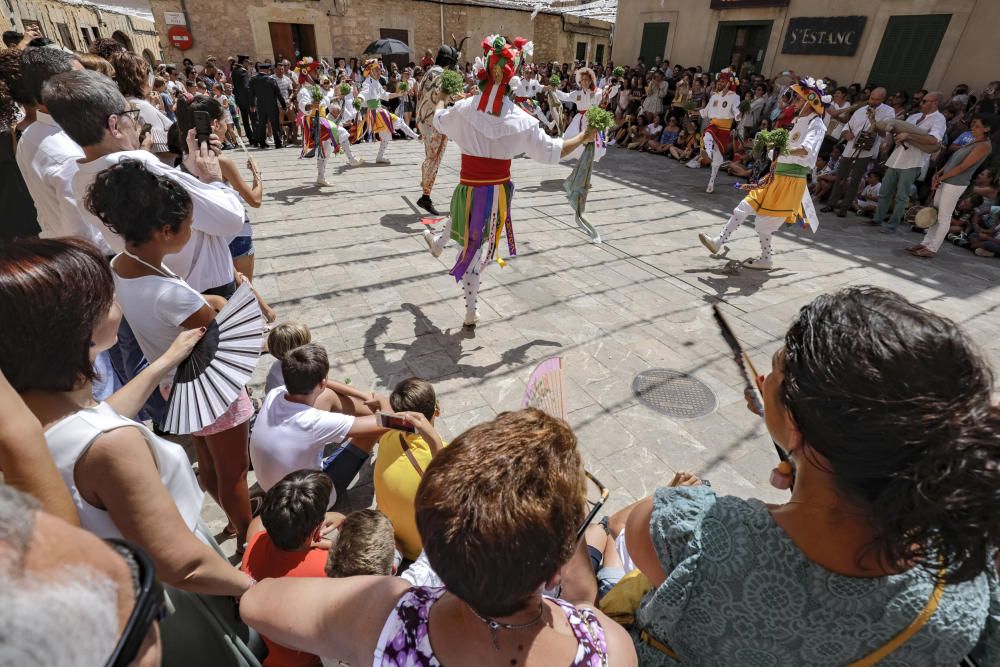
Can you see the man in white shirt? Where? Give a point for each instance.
(47, 156)
(287, 113)
(298, 420)
(93, 113)
(907, 161)
(862, 143)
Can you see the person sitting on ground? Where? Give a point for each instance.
(125, 481)
(661, 144)
(985, 183)
(364, 546)
(403, 459)
(499, 511)
(285, 541)
(891, 514)
(965, 209)
(986, 243)
(649, 133)
(281, 340)
(688, 142)
(298, 420)
(623, 132)
(867, 200)
(827, 175)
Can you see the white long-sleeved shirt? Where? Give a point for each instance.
(500, 137)
(806, 132)
(205, 261)
(584, 99)
(47, 159)
(371, 89)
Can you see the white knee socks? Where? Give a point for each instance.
(739, 216)
(716, 162)
(766, 227)
(384, 139)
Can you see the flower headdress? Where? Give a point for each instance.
(305, 66)
(500, 61)
(372, 68)
(814, 93)
(729, 76)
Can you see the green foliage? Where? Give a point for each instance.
(357, 103)
(691, 105)
(451, 82)
(744, 106)
(316, 93)
(402, 87)
(345, 89)
(555, 81)
(768, 139)
(618, 71)
(599, 119)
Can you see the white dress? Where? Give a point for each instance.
(584, 99)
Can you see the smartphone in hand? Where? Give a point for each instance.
(394, 422)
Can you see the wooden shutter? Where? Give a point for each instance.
(654, 42)
(909, 46)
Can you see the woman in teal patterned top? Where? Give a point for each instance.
(885, 410)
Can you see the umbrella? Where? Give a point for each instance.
(387, 47)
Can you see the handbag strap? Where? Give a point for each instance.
(913, 628)
(409, 455)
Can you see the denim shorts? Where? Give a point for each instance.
(241, 246)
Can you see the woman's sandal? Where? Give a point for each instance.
(924, 253)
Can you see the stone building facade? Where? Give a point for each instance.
(76, 25)
(263, 29)
(901, 44)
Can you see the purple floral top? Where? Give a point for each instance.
(405, 639)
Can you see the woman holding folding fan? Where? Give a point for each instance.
(57, 300)
(153, 215)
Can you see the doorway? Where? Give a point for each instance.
(909, 46)
(293, 41)
(654, 42)
(401, 60)
(741, 44)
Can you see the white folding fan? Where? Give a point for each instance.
(545, 389)
(210, 379)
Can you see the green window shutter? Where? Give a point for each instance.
(909, 46)
(654, 41)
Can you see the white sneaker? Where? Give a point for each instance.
(759, 264)
(383, 160)
(322, 182)
(354, 162)
(471, 318)
(429, 239)
(710, 243)
(711, 188)
(693, 163)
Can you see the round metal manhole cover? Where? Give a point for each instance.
(673, 393)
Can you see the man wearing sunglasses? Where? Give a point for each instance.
(69, 598)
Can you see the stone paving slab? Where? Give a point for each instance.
(348, 261)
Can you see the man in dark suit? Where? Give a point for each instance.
(265, 96)
(241, 90)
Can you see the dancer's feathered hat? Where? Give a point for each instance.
(372, 68)
(729, 76)
(305, 66)
(814, 93)
(500, 61)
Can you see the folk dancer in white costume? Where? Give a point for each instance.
(428, 94)
(375, 120)
(782, 196)
(722, 113)
(490, 130)
(339, 111)
(588, 95)
(525, 90)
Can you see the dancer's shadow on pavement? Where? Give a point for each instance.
(727, 284)
(550, 185)
(294, 195)
(425, 352)
(402, 223)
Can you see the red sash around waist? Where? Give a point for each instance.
(483, 171)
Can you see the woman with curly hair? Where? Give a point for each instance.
(892, 526)
(132, 77)
(20, 216)
(153, 215)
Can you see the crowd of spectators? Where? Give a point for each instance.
(491, 549)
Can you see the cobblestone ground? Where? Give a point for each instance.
(348, 260)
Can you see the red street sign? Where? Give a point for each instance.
(180, 37)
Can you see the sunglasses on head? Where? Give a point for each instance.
(150, 604)
(595, 505)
